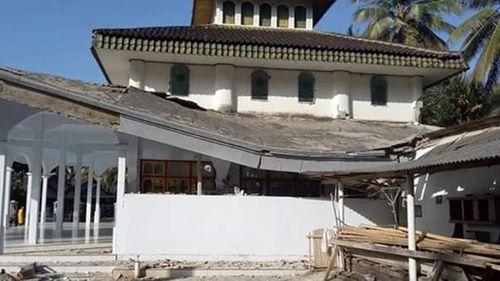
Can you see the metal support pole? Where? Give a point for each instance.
(410, 201)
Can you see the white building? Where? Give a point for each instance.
(249, 96)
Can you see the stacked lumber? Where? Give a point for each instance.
(425, 241)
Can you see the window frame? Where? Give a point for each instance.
(183, 91)
(379, 83)
(296, 20)
(165, 177)
(259, 73)
(282, 8)
(226, 9)
(261, 12)
(303, 78)
(248, 5)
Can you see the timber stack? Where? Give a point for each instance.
(476, 260)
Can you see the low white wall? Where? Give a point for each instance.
(230, 227)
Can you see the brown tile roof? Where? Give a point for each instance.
(272, 37)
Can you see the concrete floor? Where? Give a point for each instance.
(15, 235)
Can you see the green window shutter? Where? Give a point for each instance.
(265, 15)
(379, 90)
(306, 87)
(260, 85)
(283, 15)
(247, 13)
(300, 17)
(179, 80)
(228, 11)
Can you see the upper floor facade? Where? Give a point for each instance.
(235, 57)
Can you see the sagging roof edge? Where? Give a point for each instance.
(370, 156)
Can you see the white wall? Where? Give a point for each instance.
(229, 227)
(283, 92)
(400, 103)
(477, 181)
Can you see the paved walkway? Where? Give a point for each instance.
(15, 236)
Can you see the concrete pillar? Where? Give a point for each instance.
(78, 190)
(137, 74)
(237, 13)
(133, 164)
(341, 203)
(341, 94)
(291, 17)
(8, 182)
(97, 211)
(61, 189)
(90, 185)
(37, 154)
(310, 19)
(43, 211)
(274, 16)
(412, 246)
(199, 176)
(120, 194)
(27, 209)
(218, 12)
(256, 14)
(3, 164)
(417, 91)
(224, 88)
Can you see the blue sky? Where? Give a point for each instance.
(54, 36)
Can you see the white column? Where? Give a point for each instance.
(256, 14)
(78, 190)
(43, 212)
(199, 176)
(120, 194)
(37, 154)
(237, 13)
(412, 246)
(224, 86)
(291, 17)
(341, 203)
(3, 164)
(61, 189)
(218, 15)
(341, 103)
(90, 185)
(417, 90)
(27, 209)
(310, 19)
(97, 211)
(8, 181)
(136, 78)
(274, 16)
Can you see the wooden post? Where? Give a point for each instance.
(412, 246)
(199, 176)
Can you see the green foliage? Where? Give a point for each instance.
(481, 37)
(454, 102)
(410, 22)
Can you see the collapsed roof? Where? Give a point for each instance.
(288, 143)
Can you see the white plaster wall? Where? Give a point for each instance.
(201, 86)
(478, 181)
(230, 227)
(283, 93)
(399, 106)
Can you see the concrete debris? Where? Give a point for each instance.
(36, 273)
(224, 265)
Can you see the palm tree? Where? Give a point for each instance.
(481, 35)
(410, 22)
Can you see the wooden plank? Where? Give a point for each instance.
(437, 270)
(395, 251)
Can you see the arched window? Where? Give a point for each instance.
(260, 85)
(283, 15)
(179, 80)
(306, 87)
(378, 90)
(228, 11)
(265, 15)
(247, 13)
(300, 17)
